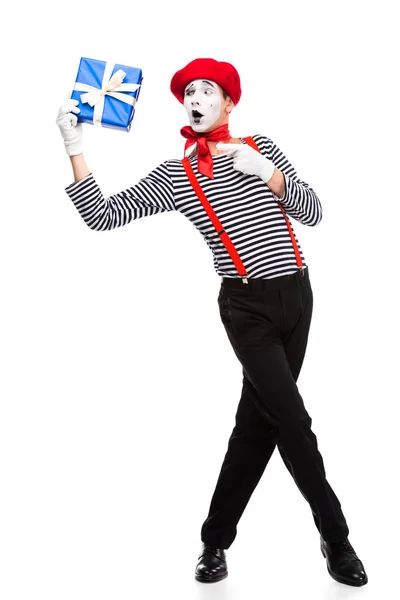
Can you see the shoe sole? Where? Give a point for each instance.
(338, 579)
(209, 579)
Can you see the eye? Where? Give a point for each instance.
(189, 92)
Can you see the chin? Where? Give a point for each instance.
(199, 128)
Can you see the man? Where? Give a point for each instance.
(266, 310)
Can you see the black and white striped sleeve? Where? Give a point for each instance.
(151, 195)
(299, 200)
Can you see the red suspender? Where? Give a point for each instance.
(299, 262)
(217, 223)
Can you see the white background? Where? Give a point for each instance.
(119, 386)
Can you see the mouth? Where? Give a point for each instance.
(196, 116)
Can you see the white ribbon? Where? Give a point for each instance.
(96, 96)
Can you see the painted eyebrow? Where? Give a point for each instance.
(203, 81)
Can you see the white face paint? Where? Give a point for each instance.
(204, 97)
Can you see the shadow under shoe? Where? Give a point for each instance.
(212, 564)
(343, 563)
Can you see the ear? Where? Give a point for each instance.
(229, 106)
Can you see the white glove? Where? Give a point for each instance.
(248, 160)
(71, 130)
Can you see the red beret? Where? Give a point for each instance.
(222, 73)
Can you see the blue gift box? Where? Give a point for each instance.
(107, 93)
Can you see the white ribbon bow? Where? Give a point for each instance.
(96, 96)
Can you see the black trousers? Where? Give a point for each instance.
(267, 322)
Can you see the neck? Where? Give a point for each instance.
(209, 138)
(213, 148)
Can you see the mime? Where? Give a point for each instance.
(240, 194)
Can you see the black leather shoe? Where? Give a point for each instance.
(343, 563)
(212, 564)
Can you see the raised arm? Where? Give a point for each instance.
(153, 194)
(79, 167)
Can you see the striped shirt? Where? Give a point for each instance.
(246, 207)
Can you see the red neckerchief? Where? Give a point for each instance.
(204, 160)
